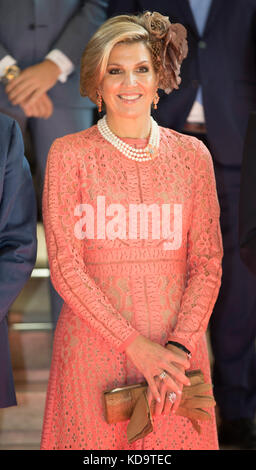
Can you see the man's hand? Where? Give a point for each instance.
(42, 108)
(32, 83)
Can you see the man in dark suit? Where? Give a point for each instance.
(247, 231)
(247, 209)
(41, 44)
(217, 92)
(17, 238)
(247, 213)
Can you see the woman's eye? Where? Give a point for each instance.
(143, 69)
(114, 71)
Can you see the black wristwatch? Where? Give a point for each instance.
(180, 346)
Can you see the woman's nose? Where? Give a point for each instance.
(130, 79)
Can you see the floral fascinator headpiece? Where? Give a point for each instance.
(169, 47)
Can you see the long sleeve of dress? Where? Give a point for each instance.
(204, 255)
(69, 273)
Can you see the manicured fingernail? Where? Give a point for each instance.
(159, 400)
(179, 392)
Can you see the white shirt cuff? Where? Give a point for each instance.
(7, 61)
(196, 113)
(63, 62)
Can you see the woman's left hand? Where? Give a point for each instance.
(166, 406)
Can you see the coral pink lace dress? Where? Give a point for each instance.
(116, 286)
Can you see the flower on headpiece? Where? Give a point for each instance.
(169, 48)
(156, 24)
(175, 49)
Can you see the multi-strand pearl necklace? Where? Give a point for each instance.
(148, 153)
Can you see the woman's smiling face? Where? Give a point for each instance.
(130, 82)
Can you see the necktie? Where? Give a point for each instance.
(200, 10)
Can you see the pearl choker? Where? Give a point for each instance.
(148, 153)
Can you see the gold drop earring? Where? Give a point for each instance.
(99, 102)
(155, 100)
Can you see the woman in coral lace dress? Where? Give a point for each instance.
(137, 296)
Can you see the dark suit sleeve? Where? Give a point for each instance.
(80, 29)
(3, 52)
(18, 242)
(247, 209)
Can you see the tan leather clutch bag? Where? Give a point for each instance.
(120, 402)
(130, 402)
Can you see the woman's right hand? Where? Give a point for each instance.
(151, 359)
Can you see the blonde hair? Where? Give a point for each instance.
(165, 41)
